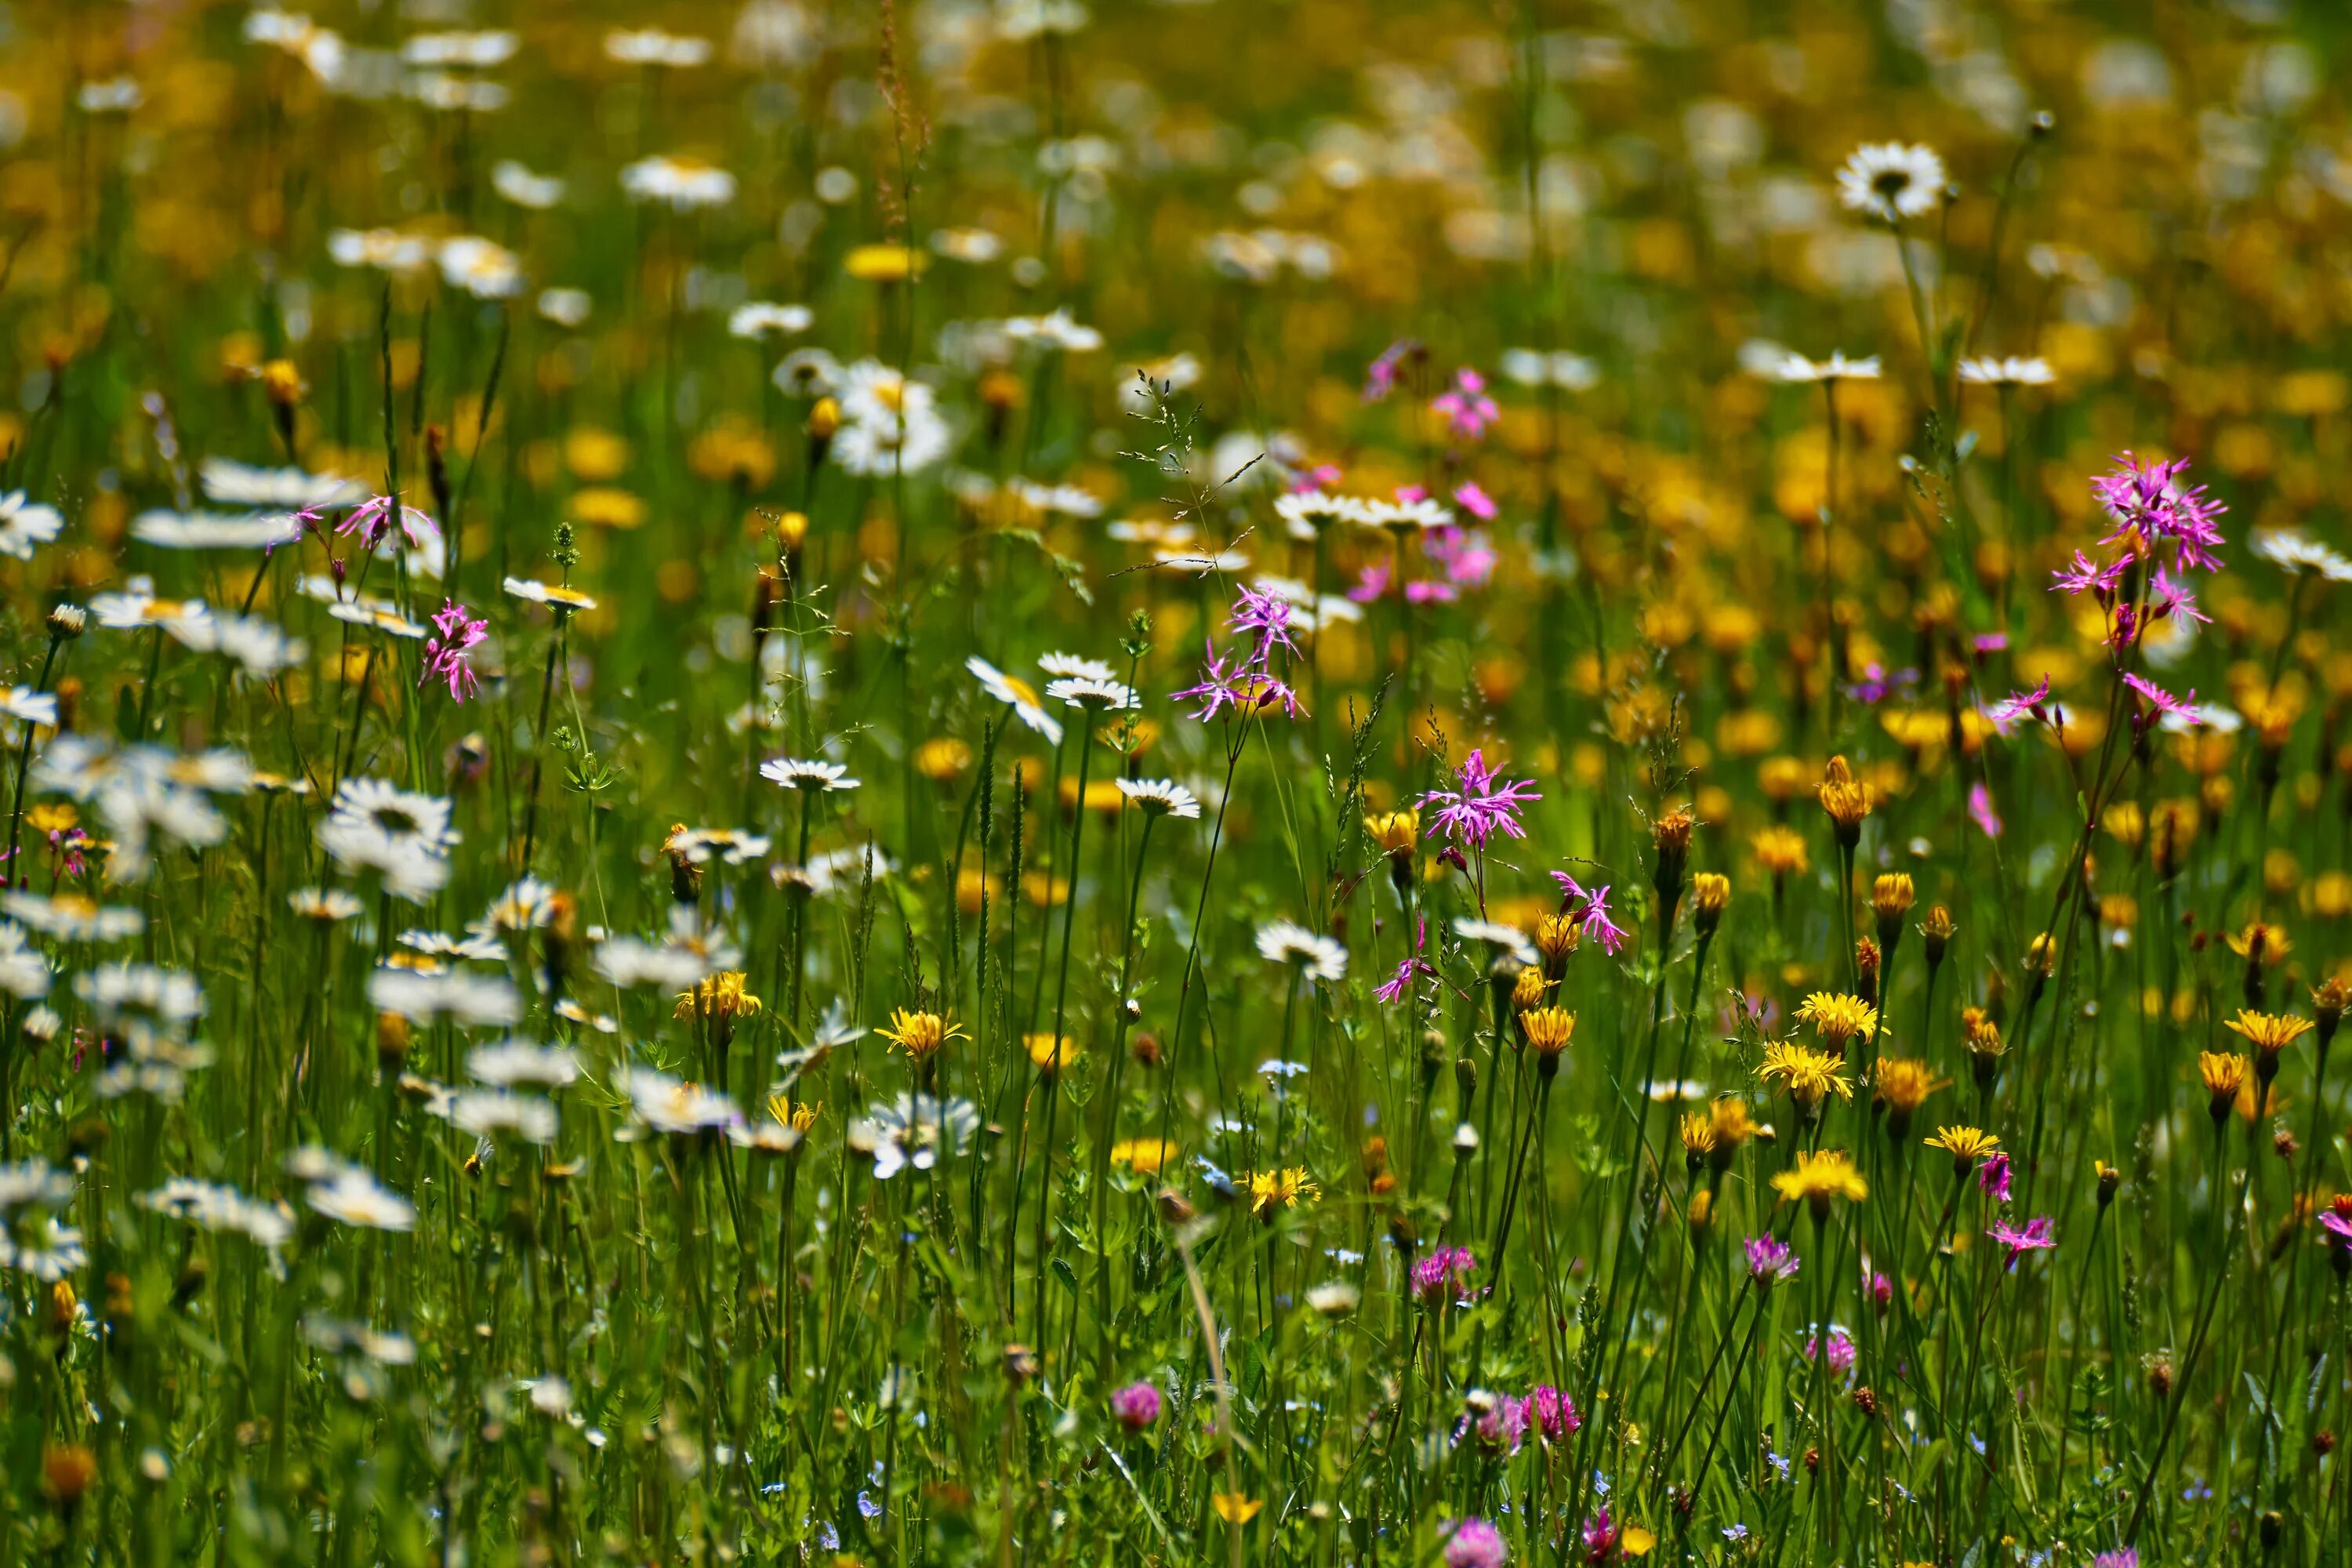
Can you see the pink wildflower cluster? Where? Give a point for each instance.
(1589, 908)
(449, 652)
(1245, 681)
(1466, 408)
(1480, 805)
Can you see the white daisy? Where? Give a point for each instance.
(356, 1198)
(523, 1064)
(1317, 957)
(275, 489)
(1093, 694)
(555, 595)
(26, 706)
(215, 530)
(1890, 180)
(684, 184)
(564, 307)
(69, 916)
(516, 181)
(817, 778)
(496, 1113)
(1018, 694)
(808, 373)
(760, 320)
(2009, 372)
(329, 906)
(1500, 941)
(375, 826)
(1795, 369)
(471, 51)
(891, 423)
(1162, 798)
(668, 1105)
(651, 47)
(472, 1001)
(24, 973)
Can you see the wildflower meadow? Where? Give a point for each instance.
(1039, 782)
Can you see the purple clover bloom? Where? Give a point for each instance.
(1770, 1261)
(1136, 1407)
(1444, 1270)
(1474, 1543)
(1556, 1415)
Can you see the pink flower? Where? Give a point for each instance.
(2148, 499)
(2020, 705)
(2085, 575)
(1600, 1536)
(1480, 805)
(2160, 702)
(1399, 985)
(1371, 582)
(1769, 1261)
(1242, 685)
(1429, 592)
(1321, 476)
(1136, 1407)
(1555, 1412)
(2337, 1226)
(1266, 618)
(1474, 1543)
(1380, 376)
(1443, 1272)
(1591, 908)
(1474, 501)
(455, 634)
(373, 519)
(1992, 1177)
(1467, 409)
(2035, 1236)
(1840, 1350)
(1980, 811)
(2168, 595)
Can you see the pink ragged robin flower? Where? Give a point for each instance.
(447, 653)
(1480, 805)
(2035, 1236)
(1466, 407)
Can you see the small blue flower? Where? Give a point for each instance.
(869, 1507)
